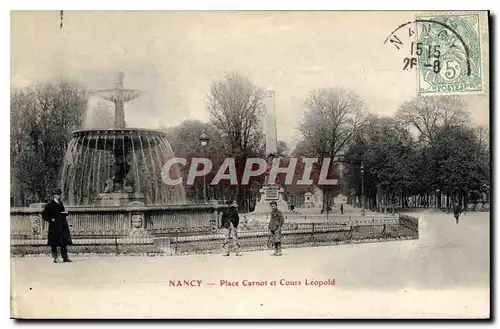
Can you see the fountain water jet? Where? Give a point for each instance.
(118, 165)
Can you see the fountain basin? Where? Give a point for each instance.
(112, 167)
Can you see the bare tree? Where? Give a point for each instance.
(331, 118)
(235, 107)
(427, 113)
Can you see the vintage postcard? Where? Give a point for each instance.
(250, 164)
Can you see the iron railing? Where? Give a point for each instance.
(181, 230)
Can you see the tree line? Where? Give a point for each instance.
(426, 151)
(428, 146)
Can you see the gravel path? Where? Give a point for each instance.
(445, 273)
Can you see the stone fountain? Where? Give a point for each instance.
(118, 166)
(112, 185)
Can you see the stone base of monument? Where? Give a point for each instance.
(263, 206)
(118, 199)
(269, 194)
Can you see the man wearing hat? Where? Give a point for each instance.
(229, 221)
(275, 225)
(59, 234)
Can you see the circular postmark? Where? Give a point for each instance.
(445, 51)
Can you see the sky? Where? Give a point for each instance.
(174, 56)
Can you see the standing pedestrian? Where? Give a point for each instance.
(229, 221)
(275, 225)
(59, 234)
(457, 211)
(341, 208)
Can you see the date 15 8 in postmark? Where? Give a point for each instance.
(445, 51)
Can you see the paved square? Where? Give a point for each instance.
(443, 274)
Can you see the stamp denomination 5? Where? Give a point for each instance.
(445, 51)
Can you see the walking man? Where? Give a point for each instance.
(275, 225)
(457, 211)
(341, 208)
(59, 234)
(229, 221)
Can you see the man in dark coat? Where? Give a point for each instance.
(59, 234)
(275, 225)
(457, 211)
(229, 222)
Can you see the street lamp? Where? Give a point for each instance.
(204, 142)
(362, 190)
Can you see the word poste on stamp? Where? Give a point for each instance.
(445, 51)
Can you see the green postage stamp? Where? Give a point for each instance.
(449, 54)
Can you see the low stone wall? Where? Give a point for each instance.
(175, 241)
(27, 223)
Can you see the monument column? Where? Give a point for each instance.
(270, 127)
(270, 191)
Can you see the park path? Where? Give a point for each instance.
(445, 273)
(304, 215)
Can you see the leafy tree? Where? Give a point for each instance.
(386, 150)
(43, 117)
(459, 169)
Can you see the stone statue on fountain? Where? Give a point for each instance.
(120, 171)
(118, 183)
